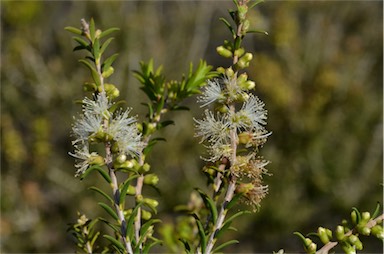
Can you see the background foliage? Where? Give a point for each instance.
(319, 73)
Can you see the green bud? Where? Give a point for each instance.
(229, 72)
(377, 231)
(124, 165)
(354, 218)
(139, 198)
(339, 233)
(146, 215)
(111, 91)
(131, 190)
(127, 212)
(241, 64)
(151, 179)
(108, 72)
(242, 78)
(89, 87)
(220, 70)
(244, 188)
(245, 27)
(322, 232)
(362, 229)
(312, 248)
(248, 85)
(239, 52)
(247, 57)
(245, 138)
(354, 240)
(145, 168)
(151, 202)
(121, 158)
(96, 160)
(223, 109)
(347, 248)
(365, 217)
(224, 52)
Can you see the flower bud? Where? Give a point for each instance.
(377, 231)
(220, 70)
(244, 188)
(121, 158)
(362, 229)
(245, 138)
(108, 72)
(354, 217)
(229, 72)
(127, 212)
(248, 85)
(241, 64)
(322, 232)
(239, 52)
(145, 168)
(139, 198)
(242, 78)
(355, 241)
(96, 160)
(151, 179)
(347, 248)
(365, 216)
(131, 190)
(224, 52)
(89, 87)
(312, 248)
(247, 57)
(339, 232)
(111, 91)
(151, 202)
(145, 215)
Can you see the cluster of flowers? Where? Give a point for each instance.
(239, 121)
(99, 124)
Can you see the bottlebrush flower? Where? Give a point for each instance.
(85, 158)
(212, 92)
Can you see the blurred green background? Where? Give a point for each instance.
(320, 73)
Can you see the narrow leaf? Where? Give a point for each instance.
(377, 211)
(92, 29)
(109, 61)
(149, 246)
(257, 32)
(255, 3)
(88, 171)
(224, 245)
(229, 26)
(109, 210)
(104, 174)
(115, 242)
(124, 189)
(203, 237)
(102, 193)
(233, 201)
(108, 31)
(187, 247)
(81, 41)
(210, 204)
(73, 30)
(105, 45)
(94, 73)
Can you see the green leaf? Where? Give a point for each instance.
(124, 189)
(73, 30)
(131, 220)
(101, 193)
(105, 45)
(149, 246)
(94, 73)
(144, 229)
(233, 201)
(109, 61)
(115, 242)
(112, 226)
(224, 245)
(258, 32)
(165, 124)
(255, 3)
(89, 170)
(82, 42)
(377, 211)
(109, 210)
(203, 237)
(187, 247)
(108, 31)
(92, 30)
(229, 26)
(210, 204)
